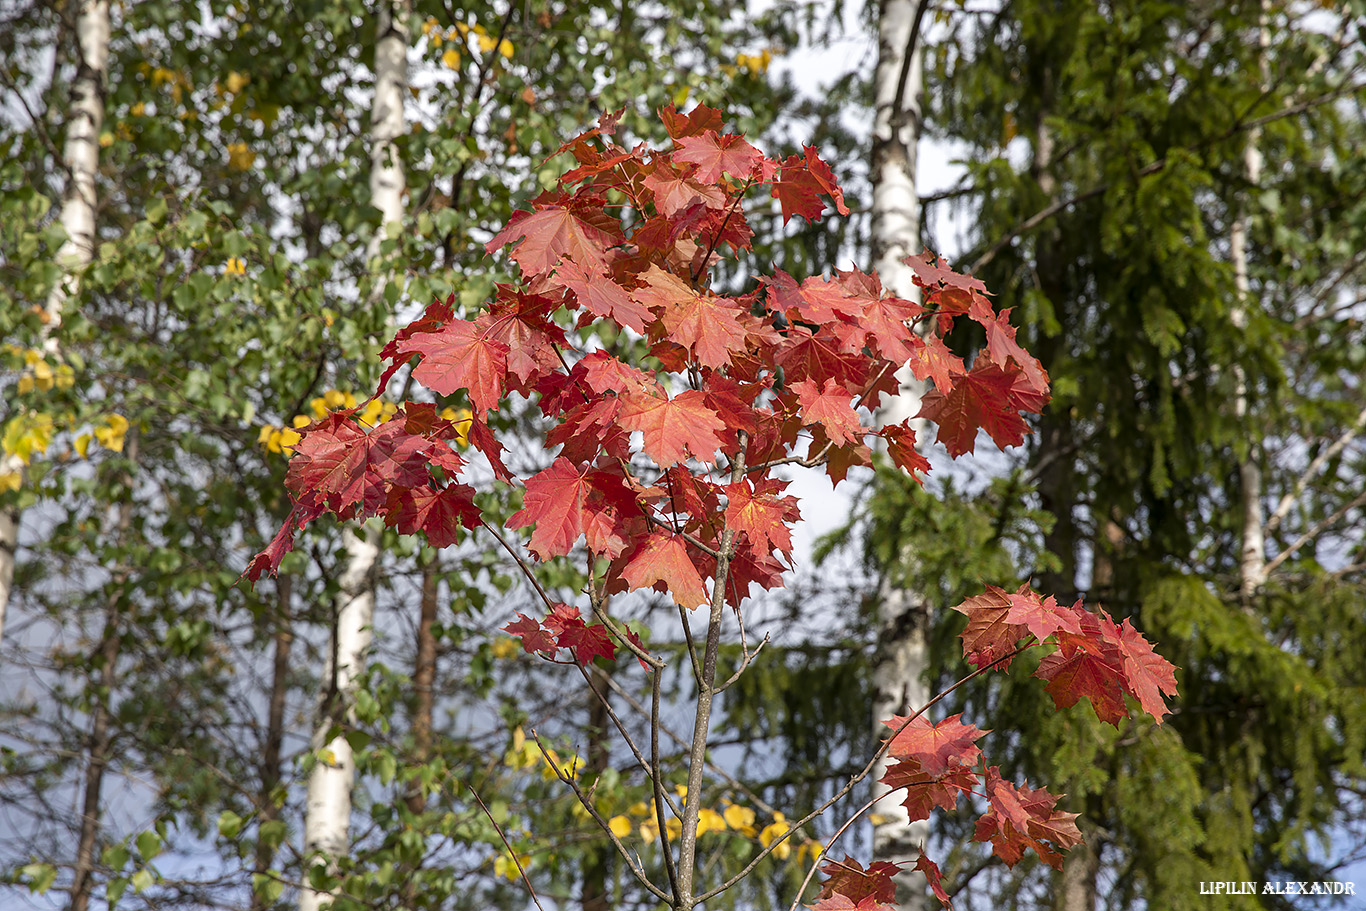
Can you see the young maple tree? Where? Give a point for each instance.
(733, 388)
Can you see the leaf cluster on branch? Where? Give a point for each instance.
(667, 467)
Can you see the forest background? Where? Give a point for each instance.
(200, 252)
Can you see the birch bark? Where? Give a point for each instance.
(1252, 557)
(903, 616)
(330, 783)
(81, 158)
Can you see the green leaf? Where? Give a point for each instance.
(142, 879)
(40, 877)
(229, 824)
(149, 845)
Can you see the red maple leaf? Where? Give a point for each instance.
(554, 501)
(676, 191)
(850, 879)
(923, 792)
(673, 427)
(601, 296)
(1042, 616)
(534, 637)
(841, 902)
(1025, 818)
(989, 637)
(901, 446)
(268, 560)
(716, 155)
(708, 324)
(937, 748)
(1147, 674)
(1090, 665)
(440, 514)
(933, 877)
(761, 514)
(932, 360)
(555, 231)
(698, 120)
(830, 407)
(980, 400)
(661, 561)
(587, 642)
(340, 465)
(460, 355)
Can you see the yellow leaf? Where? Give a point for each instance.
(66, 377)
(649, 830)
(82, 444)
(240, 158)
(435, 38)
(111, 435)
(25, 384)
(43, 375)
(639, 808)
(319, 406)
(451, 58)
(287, 439)
(504, 865)
(264, 437)
(741, 819)
(518, 739)
(28, 435)
(486, 43)
(681, 95)
(504, 647)
(709, 821)
(505, 48)
(620, 826)
(9, 480)
(237, 81)
(106, 140)
(674, 827)
(301, 420)
(772, 832)
(137, 110)
(334, 398)
(682, 791)
(235, 266)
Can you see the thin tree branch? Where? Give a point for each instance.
(1312, 533)
(1288, 501)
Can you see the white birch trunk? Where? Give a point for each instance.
(328, 814)
(81, 158)
(1252, 562)
(903, 616)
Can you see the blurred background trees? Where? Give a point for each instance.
(1169, 196)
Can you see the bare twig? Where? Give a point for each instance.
(1288, 501)
(499, 829)
(1313, 533)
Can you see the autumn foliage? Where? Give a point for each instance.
(664, 469)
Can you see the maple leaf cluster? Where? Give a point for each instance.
(1095, 657)
(663, 470)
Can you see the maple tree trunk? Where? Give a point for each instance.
(101, 740)
(266, 809)
(593, 894)
(1252, 556)
(328, 816)
(903, 617)
(424, 682)
(1055, 457)
(81, 157)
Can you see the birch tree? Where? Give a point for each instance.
(332, 778)
(899, 682)
(80, 159)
